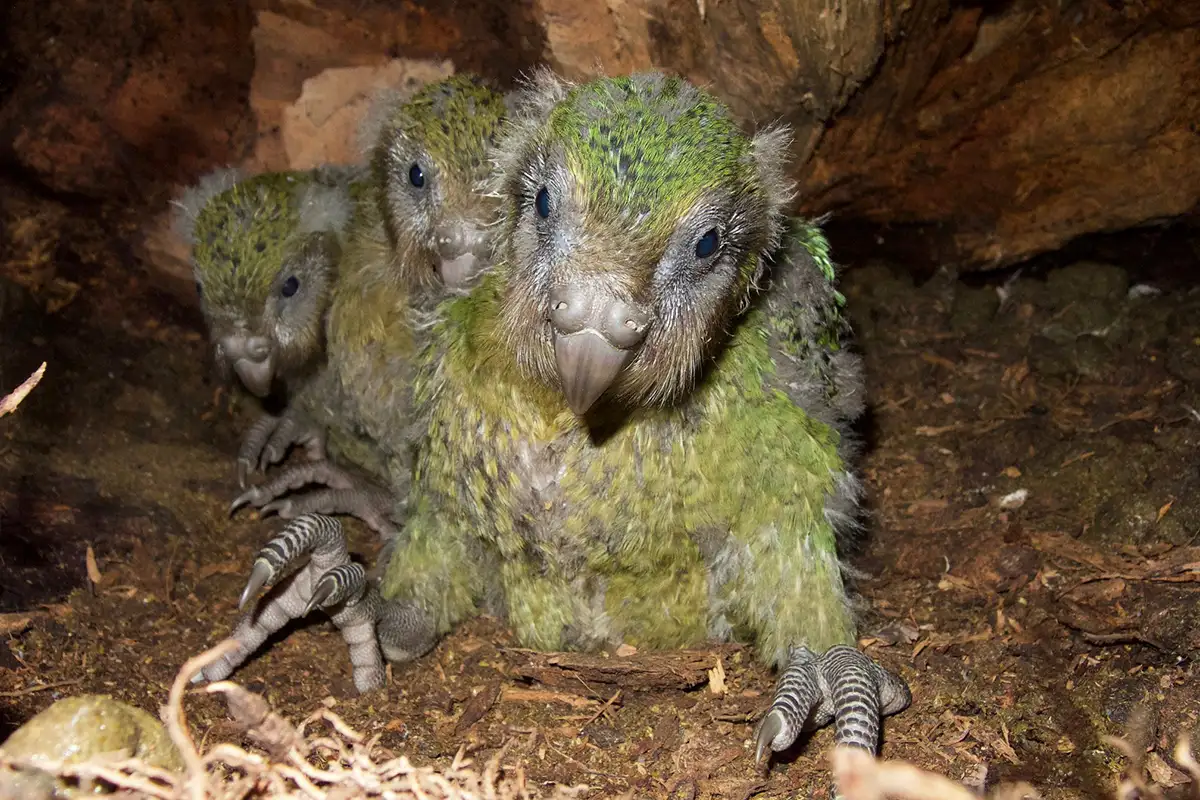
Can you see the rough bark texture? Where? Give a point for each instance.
(582, 673)
(992, 130)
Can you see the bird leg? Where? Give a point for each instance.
(842, 685)
(329, 581)
(332, 582)
(345, 493)
(271, 436)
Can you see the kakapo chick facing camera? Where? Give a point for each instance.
(637, 444)
(264, 253)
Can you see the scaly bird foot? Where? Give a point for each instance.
(345, 494)
(270, 438)
(842, 685)
(329, 581)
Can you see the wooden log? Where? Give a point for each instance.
(596, 675)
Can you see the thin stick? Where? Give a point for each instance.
(603, 709)
(35, 689)
(177, 722)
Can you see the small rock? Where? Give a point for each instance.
(78, 729)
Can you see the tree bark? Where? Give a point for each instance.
(993, 130)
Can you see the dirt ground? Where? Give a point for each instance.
(1030, 565)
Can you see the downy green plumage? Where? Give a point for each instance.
(249, 236)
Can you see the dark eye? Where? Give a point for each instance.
(542, 201)
(708, 244)
(199, 289)
(290, 286)
(415, 176)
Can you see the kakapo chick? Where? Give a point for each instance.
(640, 448)
(264, 252)
(422, 228)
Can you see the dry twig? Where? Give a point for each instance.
(9, 402)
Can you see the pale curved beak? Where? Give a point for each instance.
(252, 359)
(587, 366)
(463, 249)
(458, 271)
(595, 337)
(256, 376)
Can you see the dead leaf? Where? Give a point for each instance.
(625, 650)
(1162, 773)
(479, 704)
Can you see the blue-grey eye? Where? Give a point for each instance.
(415, 176)
(708, 244)
(290, 286)
(543, 203)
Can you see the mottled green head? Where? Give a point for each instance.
(264, 255)
(637, 220)
(430, 161)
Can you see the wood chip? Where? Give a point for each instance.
(513, 694)
(254, 717)
(716, 679)
(93, 569)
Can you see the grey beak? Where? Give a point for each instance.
(256, 376)
(462, 247)
(456, 272)
(587, 366)
(252, 359)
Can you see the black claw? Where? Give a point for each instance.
(337, 585)
(259, 576)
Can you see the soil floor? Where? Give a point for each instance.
(1029, 564)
